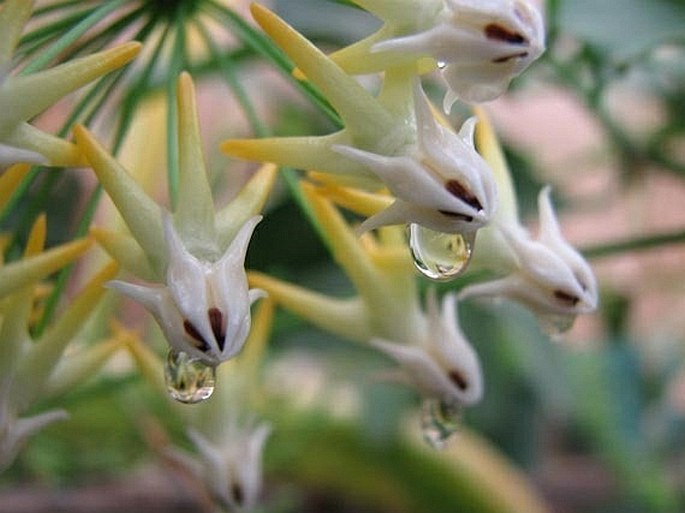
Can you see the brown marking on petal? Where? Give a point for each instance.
(463, 217)
(237, 493)
(458, 379)
(496, 32)
(195, 337)
(567, 298)
(507, 58)
(216, 321)
(456, 189)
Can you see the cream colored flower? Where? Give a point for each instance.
(443, 366)
(479, 45)
(204, 308)
(548, 275)
(393, 141)
(195, 256)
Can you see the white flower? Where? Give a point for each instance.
(204, 308)
(441, 182)
(549, 276)
(481, 45)
(231, 468)
(444, 366)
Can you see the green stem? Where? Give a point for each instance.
(72, 36)
(227, 68)
(55, 7)
(142, 85)
(266, 48)
(91, 207)
(40, 35)
(635, 244)
(108, 34)
(175, 68)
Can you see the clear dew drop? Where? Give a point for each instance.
(188, 379)
(439, 421)
(440, 256)
(555, 324)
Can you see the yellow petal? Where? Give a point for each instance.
(36, 241)
(260, 331)
(194, 213)
(10, 180)
(308, 152)
(361, 112)
(15, 275)
(359, 59)
(79, 367)
(344, 317)
(490, 149)
(126, 251)
(342, 241)
(149, 364)
(22, 97)
(361, 202)
(248, 203)
(482, 465)
(57, 151)
(39, 362)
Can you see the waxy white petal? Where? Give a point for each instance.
(444, 366)
(547, 275)
(481, 46)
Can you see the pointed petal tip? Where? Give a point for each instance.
(122, 54)
(259, 11)
(246, 149)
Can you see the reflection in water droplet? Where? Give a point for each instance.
(438, 255)
(439, 421)
(188, 380)
(555, 324)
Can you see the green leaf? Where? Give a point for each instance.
(624, 28)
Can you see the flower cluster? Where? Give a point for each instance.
(203, 301)
(396, 165)
(438, 182)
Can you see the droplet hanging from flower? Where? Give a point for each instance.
(440, 256)
(439, 421)
(188, 379)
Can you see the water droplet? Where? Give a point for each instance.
(555, 324)
(188, 379)
(438, 255)
(439, 421)
(441, 64)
